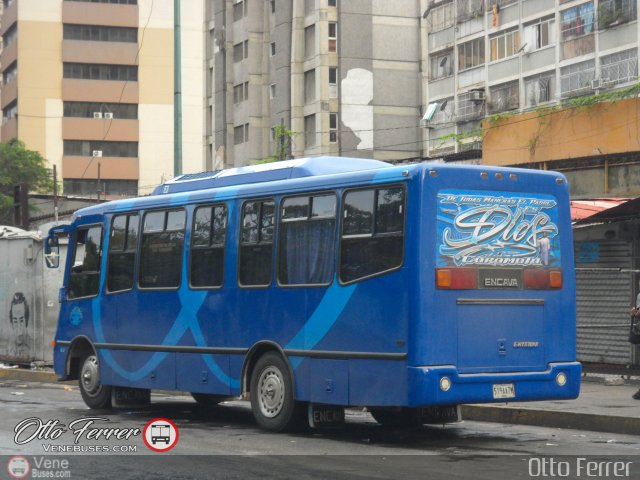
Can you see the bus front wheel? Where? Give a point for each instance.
(272, 398)
(94, 394)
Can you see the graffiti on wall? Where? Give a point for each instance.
(19, 339)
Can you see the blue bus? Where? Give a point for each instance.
(323, 283)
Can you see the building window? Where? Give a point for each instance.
(310, 131)
(255, 262)
(10, 111)
(576, 79)
(273, 48)
(540, 89)
(372, 232)
(332, 3)
(88, 187)
(273, 6)
(443, 112)
(619, 68)
(99, 33)
(333, 82)
(470, 105)
(241, 92)
(84, 274)
(309, 86)
(272, 91)
(540, 34)
(470, 9)
(10, 36)
(333, 37)
(10, 72)
(123, 244)
(89, 148)
(309, 41)
(162, 249)
(240, 51)
(122, 2)
(616, 12)
(504, 45)
(471, 54)
(96, 71)
(100, 110)
(307, 240)
(239, 10)
(207, 246)
(577, 21)
(441, 17)
(333, 128)
(241, 134)
(441, 64)
(504, 97)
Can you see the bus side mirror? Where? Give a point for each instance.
(52, 252)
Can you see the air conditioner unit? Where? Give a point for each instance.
(108, 115)
(596, 84)
(97, 114)
(477, 96)
(96, 153)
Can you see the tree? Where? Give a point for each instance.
(282, 143)
(20, 165)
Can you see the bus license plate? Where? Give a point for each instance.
(504, 390)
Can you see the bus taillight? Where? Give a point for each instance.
(457, 278)
(535, 279)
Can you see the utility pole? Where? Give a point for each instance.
(55, 194)
(98, 191)
(177, 95)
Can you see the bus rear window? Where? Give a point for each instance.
(498, 240)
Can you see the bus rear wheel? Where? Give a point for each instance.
(272, 397)
(94, 394)
(396, 417)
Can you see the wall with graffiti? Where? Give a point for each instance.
(500, 229)
(28, 299)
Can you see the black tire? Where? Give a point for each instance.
(94, 394)
(396, 417)
(208, 399)
(272, 397)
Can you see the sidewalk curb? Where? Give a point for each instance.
(28, 375)
(552, 419)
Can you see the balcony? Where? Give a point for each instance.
(123, 130)
(108, 14)
(9, 17)
(9, 92)
(9, 54)
(9, 130)
(113, 53)
(100, 91)
(115, 168)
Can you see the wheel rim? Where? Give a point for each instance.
(89, 376)
(271, 391)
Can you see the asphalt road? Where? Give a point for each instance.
(224, 442)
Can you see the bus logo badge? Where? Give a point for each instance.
(160, 434)
(18, 467)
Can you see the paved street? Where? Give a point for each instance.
(360, 449)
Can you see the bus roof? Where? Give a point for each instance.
(267, 172)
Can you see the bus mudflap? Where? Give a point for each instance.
(440, 414)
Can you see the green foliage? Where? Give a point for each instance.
(282, 142)
(19, 165)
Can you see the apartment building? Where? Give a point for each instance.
(89, 84)
(511, 62)
(344, 76)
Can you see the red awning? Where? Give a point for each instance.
(581, 209)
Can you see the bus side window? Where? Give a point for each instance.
(307, 239)
(256, 243)
(123, 243)
(372, 232)
(162, 249)
(207, 246)
(84, 277)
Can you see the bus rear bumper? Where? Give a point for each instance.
(443, 385)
